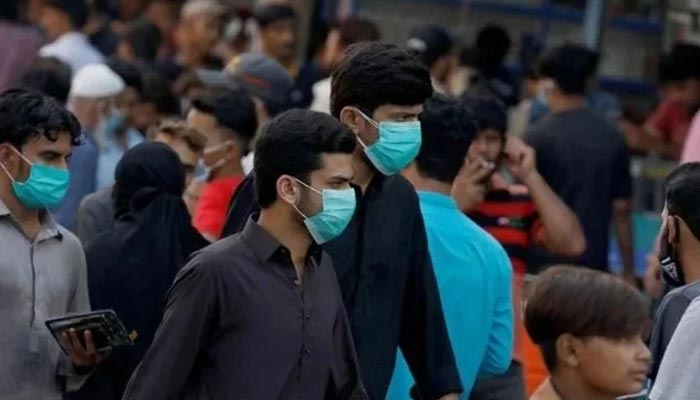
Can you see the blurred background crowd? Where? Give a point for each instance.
(162, 70)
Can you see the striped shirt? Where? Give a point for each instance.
(510, 215)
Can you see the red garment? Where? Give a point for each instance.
(671, 120)
(212, 206)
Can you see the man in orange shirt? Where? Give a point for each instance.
(227, 118)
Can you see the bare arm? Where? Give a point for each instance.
(563, 234)
(622, 220)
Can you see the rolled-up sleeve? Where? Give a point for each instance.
(185, 326)
(424, 340)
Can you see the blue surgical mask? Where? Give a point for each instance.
(111, 125)
(338, 209)
(397, 146)
(45, 188)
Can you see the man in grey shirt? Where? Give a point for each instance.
(42, 265)
(679, 256)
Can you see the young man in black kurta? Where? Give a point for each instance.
(259, 315)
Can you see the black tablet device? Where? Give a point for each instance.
(106, 328)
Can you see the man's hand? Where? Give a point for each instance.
(469, 188)
(652, 277)
(520, 160)
(451, 396)
(81, 356)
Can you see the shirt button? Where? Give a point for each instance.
(307, 351)
(308, 316)
(296, 282)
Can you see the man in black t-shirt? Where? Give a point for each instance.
(679, 256)
(584, 158)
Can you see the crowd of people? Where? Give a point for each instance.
(380, 221)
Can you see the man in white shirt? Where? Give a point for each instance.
(62, 21)
(678, 375)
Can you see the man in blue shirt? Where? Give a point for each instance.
(472, 269)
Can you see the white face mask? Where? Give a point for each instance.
(218, 164)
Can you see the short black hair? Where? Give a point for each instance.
(233, 109)
(570, 66)
(130, 73)
(144, 38)
(583, 303)
(492, 46)
(447, 132)
(158, 91)
(356, 29)
(683, 195)
(374, 74)
(488, 113)
(26, 114)
(78, 11)
(50, 76)
(272, 13)
(292, 144)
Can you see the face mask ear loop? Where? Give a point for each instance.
(368, 119)
(310, 188)
(20, 156)
(7, 172)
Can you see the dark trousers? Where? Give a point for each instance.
(509, 386)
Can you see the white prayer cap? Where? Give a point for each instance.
(95, 81)
(197, 7)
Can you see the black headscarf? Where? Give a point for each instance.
(131, 266)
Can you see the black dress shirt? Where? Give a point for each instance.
(388, 285)
(240, 325)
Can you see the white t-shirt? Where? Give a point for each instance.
(74, 49)
(322, 96)
(680, 368)
(247, 162)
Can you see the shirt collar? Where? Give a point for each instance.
(49, 227)
(437, 199)
(264, 245)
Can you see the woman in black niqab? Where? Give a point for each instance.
(131, 266)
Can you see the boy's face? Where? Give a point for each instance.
(279, 39)
(615, 367)
(487, 145)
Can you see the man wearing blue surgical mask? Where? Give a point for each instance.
(42, 265)
(260, 314)
(93, 100)
(381, 259)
